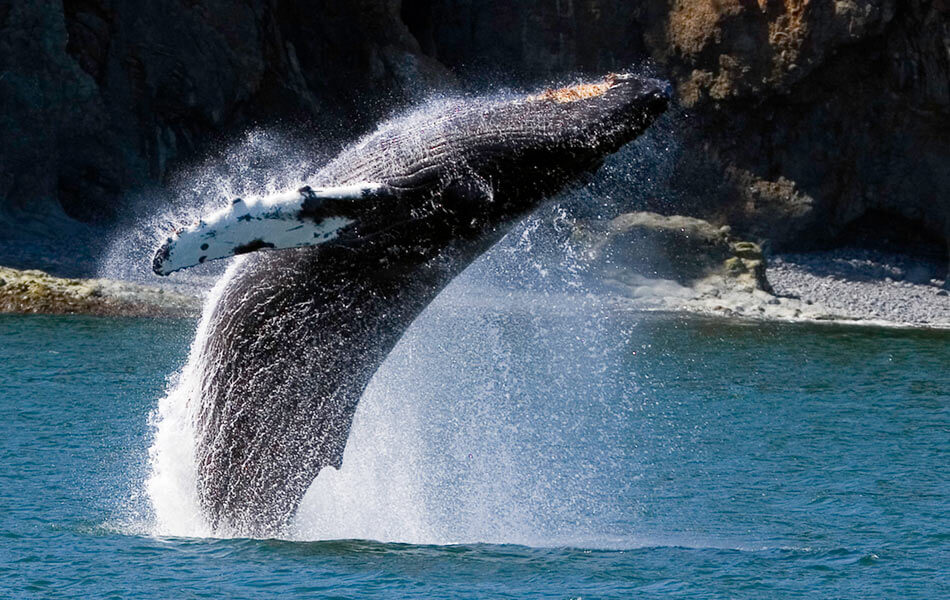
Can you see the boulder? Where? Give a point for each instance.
(683, 249)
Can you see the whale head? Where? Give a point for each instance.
(601, 116)
(529, 148)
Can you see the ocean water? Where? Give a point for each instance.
(513, 446)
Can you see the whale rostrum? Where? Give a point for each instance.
(340, 268)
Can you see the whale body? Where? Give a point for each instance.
(339, 269)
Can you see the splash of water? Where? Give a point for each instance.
(261, 163)
(473, 430)
(172, 482)
(462, 436)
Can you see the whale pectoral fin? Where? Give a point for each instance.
(305, 217)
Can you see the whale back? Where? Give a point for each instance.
(296, 335)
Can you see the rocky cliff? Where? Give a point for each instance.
(802, 117)
(802, 122)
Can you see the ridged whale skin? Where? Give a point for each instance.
(297, 333)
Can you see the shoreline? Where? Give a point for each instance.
(38, 292)
(751, 319)
(846, 286)
(866, 285)
(843, 287)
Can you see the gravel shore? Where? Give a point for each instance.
(848, 285)
(865, 285)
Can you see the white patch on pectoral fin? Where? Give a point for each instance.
(286, 220)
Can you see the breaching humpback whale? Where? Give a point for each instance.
(296, 334)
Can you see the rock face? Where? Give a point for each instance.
(101, 97)
(803, 115)
(39, 293)
(800, 116)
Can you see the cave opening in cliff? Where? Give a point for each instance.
(891, 232)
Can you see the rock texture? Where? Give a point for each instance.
(99, 98)
(40, 293)
(800, 116)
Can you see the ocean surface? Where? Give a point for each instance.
(513, 446)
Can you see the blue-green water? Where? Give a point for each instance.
(570, 449)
